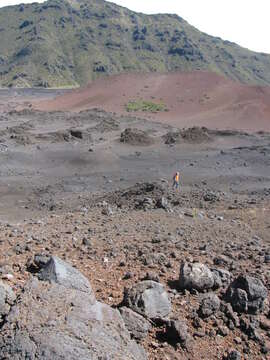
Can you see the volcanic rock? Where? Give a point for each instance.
(7, 297)
(57, 270)
(222, 277)
(149, 299)
(210, 304)
(246, 294)
(195, 276)
(177, 331)
(136, 324)
(136, 137)
(58, 320)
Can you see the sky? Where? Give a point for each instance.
(245, 22)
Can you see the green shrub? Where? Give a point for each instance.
(146, 106)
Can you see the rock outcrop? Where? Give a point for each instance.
(61, 319)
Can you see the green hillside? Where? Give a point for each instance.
(64, 43)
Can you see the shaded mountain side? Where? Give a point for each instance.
(67, 43)
(189, 98)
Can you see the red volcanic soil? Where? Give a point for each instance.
(195, 98)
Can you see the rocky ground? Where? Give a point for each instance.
(188, 270)
(118, 244)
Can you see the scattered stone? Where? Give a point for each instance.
(177, 331)
(189, 213)
(162, 203)
(221, 260)
(86, 241)
(128, 275)
(77, 133)
(210, 304)
(136, 137)
(195, 276)
(136, 324)
(7, 298)
(8, 277)
(152, 277)
(233, 355)
(230, 314)
(246, 294)
(222, 277)
(211, 197)
(40, 260)
(223, 331)
(107, 210)
(149, 299)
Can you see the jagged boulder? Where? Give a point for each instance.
(209, 305)
(57, 320)
(222, 277)
(195, 276)
(57, 270)
(149, 299)
(7, 297)
(136, 324)
(177, 331)
(246, 294)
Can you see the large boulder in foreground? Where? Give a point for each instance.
(246, 294)
(7, 298)
(149, 299)
(60, 272)
(195, 276)
(55, 321)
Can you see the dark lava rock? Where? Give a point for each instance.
(162, 203)
(172, 137)
(57, 270)
(151, 276)
(221, 260)
(233, 355)
(177, 331)
(77, 133)
(222, 277)
(210, 197)
(209, 305)
(40, 260)
(196, 134)
(136, 324)
(246, 294)
(7, 298)
(56, 320)
(136, 137)
(149, 299)
(227, 309)
(195, 276)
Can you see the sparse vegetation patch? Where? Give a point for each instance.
(146, 106)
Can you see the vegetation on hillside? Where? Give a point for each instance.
(71, 42)
(145, 106)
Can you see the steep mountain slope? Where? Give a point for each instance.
(71, 42)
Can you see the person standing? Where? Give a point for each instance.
(176, 180)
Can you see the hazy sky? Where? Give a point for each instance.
(245, 22)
